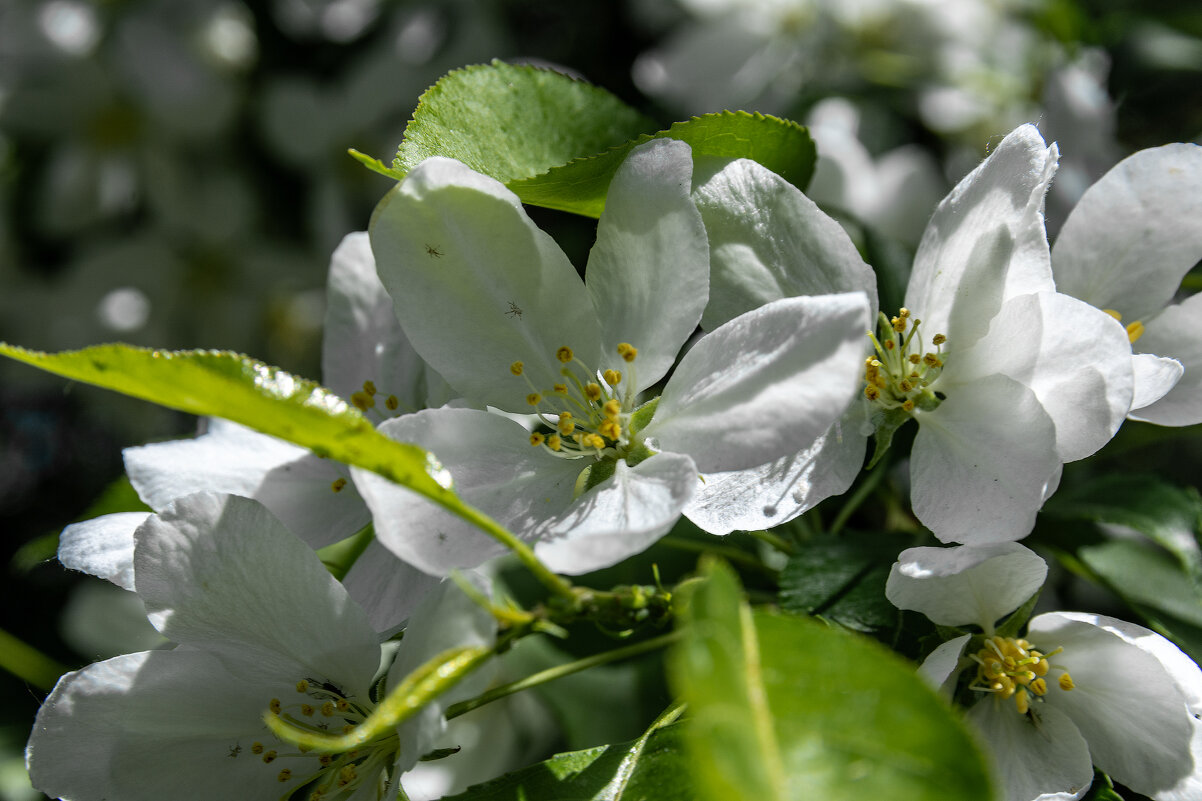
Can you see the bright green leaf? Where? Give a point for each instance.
(238, 388)
(651, 768)
(514, 121)
(781, 707)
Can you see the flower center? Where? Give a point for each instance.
(1135, 330)
(323, 707)
(1013, 668)
(588, 413)
(899, 376)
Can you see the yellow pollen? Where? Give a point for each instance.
(307, 710)
(1066, 682)
(564, 354)
(302, 686)
(343, 705)
(537, 439)
(1039, 687)
(908, 405)
(391, 403)
(899, 324)
(871, 392)
(369, 387)
(274, 706)
(284, 775)
(560, 389)
(554, 442)
(516, 368)
(1021, 701)
(362, 401)
(256, 748)
(1114, 313)
(565, 425)
(592, 391)
(594, 441)
(327, 708)
(914, 358)
(610, 429)
(931, 360)
(612, 377)
(325, 760)
(347, 775)
(336, 485)
(348, 728)
(533, 398)
(938, 340)
(890, 344)
(1135, 330)
(905, 385)
(612, 408)
(269, 757)
(627, 351)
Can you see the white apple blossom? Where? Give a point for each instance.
(609, 472)
(259, 624)
(1078, 690)
(1125, 247)
(1006, 378)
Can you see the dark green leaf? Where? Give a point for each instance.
(843, 579)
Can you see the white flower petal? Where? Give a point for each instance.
(990, 224)
(769, 241)
(1135, 233)
(154, 725)
(1075, 358)
(494, 469)
(1176, 333)
(103, 546)
(221, 573)
(977, 584)
(293, 483)
(363, 340)
(1154, 377)
(386, 587)
(981, 462)
(619, 517)
(1045, 763)
(765, 385)
(765, 496)
(648, 273)
(1125, 703)
(452, 244)
(939, 669)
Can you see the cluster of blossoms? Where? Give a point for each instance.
(587, 416)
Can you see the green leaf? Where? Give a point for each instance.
(843, 579)
(514, 122)
(780, 145)
(1144, 574)
(1169, 515)
(238, 388)
(651, 768)
(782, 708)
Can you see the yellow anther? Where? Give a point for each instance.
(348, 728)
(914, 358)
(362, 401)
(938, 339)
(554, 442)
(594, 441)
(1114, 313)
(537, 439)
(612, 377)
(346, 775)
(898, 323)
(931, 360)
(1066, 682)
(533, 398)
(336, 485)
(908, 405)
(904, 385)
(565, 425)
(327, 709)
(890, 344)
(274, 706)
(592, 391)
(612, 408)
(307, 710)
(1135, 330)
(391, 403)
(1021, 701)
(302, 686)
(269, 757)
(610, 429)
(1039, 687)
(256, 748)
(516, 368)
(284, 775)
(903, 312)
(343, 705)
(325, 760)
(871, 392)
(564, 354)
(1040, 667)
(369, 387)
(627, 351)
(560, 389)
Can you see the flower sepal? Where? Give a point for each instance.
(885, 424)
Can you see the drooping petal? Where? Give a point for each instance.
(940, 668)
(1125, 703)
(1074, 357)
(386, 587)
(990, 224)
(765, 385)
(770, 494)
(978, 584)
(769, 241)
(494, 469)
(363, 340)
(1154, 377)
(452, 244)
(619, 517)
(219, 572)
(1176, 333)
(154, 725)
(1048, 762)
(446, 619)
(1135, 233)
(103, 546)
(981, 462)
(297, 486)
(648, 273)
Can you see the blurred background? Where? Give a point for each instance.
(173, 173)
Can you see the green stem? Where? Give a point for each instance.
(27, 663)
(340, 557)
(725, 551)
(775, 540)
(559, 671)
(520, 549)
(866, 488)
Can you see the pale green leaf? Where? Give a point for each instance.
(781, 707)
